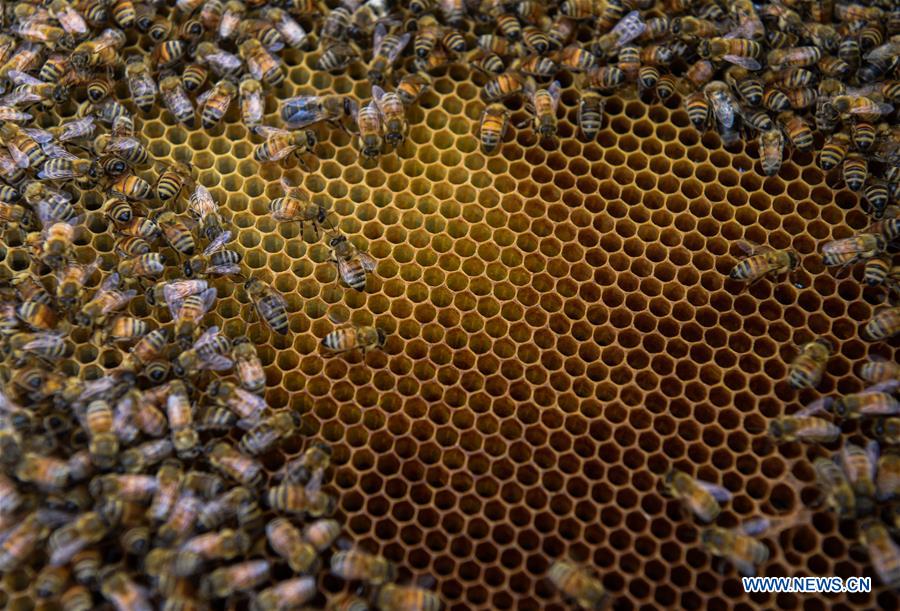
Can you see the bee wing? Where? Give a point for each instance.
(267, 131)
(216, 362)
(873, 451)
(369, 264)
(209, 297)
(888, 386)
(19, 97)
(756, 526)
(752, 248)
(746, 62)
(378, 37)
(9, 113)
(629, 27)
(49, 214)
(207, 337)
(110, 282)
(55, 151)
(555, 91)
(398, 48)
(45, 341)
(217, 243)
(201, 99)
(22, 78)
(718, 492)
(745, 29)
(819, 406)
(41, 136)
(377, 95)
(123, 144)
(226, 62)
(224, 270)
(872, 108)
(122, 127)
(95, 388)
(21, 159)
(339, 314)
(78, 128)
(122, 298)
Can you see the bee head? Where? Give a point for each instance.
(188, 270)
(157, 371)
(382, 337)
(776, 430)
(178, 369)
(825, 343)
(794, 258)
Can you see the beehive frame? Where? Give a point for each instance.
(562, 332)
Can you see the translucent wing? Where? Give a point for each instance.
(378, 37)
(268, 131)
(752, 248)
(20, 158)
(718, 492)
(555, 91)
(888, 386)
(224, 270)
(201, 100)
(41, 136)
(111, 282)
(49, 214)
(629, 27)
(121, 298)
(208, 297)
(819, 406)
(142, 86)
(95, 388)
(79, 128)
(55, 151)
(872, 107)
(272, 302)
(747, 62)
(216, 362)
(217, 243)
(46, 341)
(872, 453)
(21, 96)
(397, 49)
(369, 264)
(339, 314)
(9, 113)
(206, 338)
(123, 144)
(225, 62)
(22, 78)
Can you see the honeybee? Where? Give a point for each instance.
(182, 519)
(176, 100)
(179, 413)
(878, 196)
(140, 82)
(336, 57)
(36, 30)
(224, 506)
(290, 593)
(394, 115)
(247, 406)
(251, 102)
(855, 171)
(214, 103)
(20, 541)
(357, 565)
(739, 51)
(124, 329)
(578, 584)
(352, 264)
(590, 114)
(859, 105)
(26, 56)
(846, 251)
(194, 77)
(98, 422)
(288, 543)
(577, 59)
(321, 534)
(702, 498)
(215, 260)
(859, 465)
(834, 150)
(798, 57)
(411, 87)
(106, 300)
(763, 261)
(149, 453)
(102, 51)
(260, 63)
(270, 305)
(386, 48)
(247, 365)
(56, 248)
(222, 63)
(722, 103)
(203, 208)
(169, 478)
(393, 597)
(209, 349)
(309, 469)
(235, 465)
(543, 105)
(45, 345)
(152, 265)
(743, 551)
(232, 16)
(47, 473)
(188, 314)
(808, 366)
(127, 148)
(24, 149)
(884, 554)
(292, 32)
(264, 435)
(51, 581)
(280, 143)
(799, 428)
(887, 483)
(172, 180)
(13, 215)
(878, 369)
(771, 147)
(369, 141)
(290, 498)
(885, 323)
(348, 337)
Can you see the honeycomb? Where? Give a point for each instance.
(561, 333)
